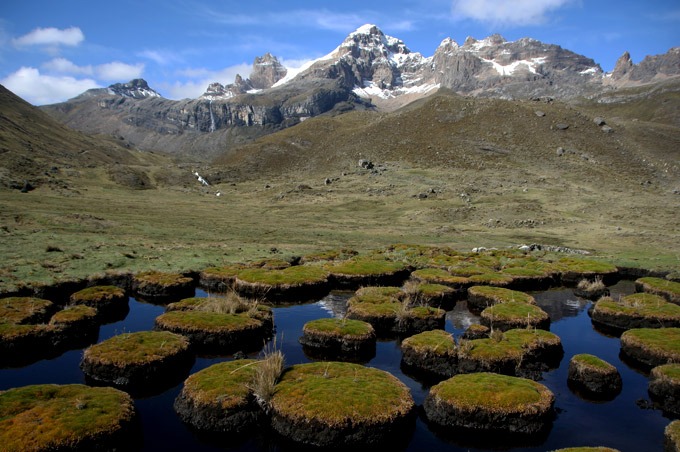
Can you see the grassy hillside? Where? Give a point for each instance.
(449, 170)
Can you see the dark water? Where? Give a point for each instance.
(620, 423)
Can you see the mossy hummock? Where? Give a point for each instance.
(25, 310)
(441, 276)
(219, 279)
(515, 314)
(496, 279)
(23, 344)
(138, 361)
(591, 289)
(671, 436)
(573, 269)
(511, 352)
(219, 398)
(593, 376)
(664, 387)
(367, 271)
(111, 302)
(651, 347)
(214, 332)
(77, 326)
(490, 402)
(639, 310)
(340, 405)
(435, 295)
(481, 297)
(294, 283)
(668, 289)
(339, 339)
(432, 353)
(538, 276)
(66, 417)
(160, 286)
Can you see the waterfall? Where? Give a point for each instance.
(212, 117)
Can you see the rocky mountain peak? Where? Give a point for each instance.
(136, 89)
(369, 40)
(267, 70)
(623, 65)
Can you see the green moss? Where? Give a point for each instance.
(424, 312)
(330, 255)
(493, 392)
(378, 293)
(73, 314)
(12, 331)
(501, 294)
(582, 265)
(339, 327)
(97, 293)
(661, 341)
(511, 344)
(469, 269)
(53, 417)
(492, 279)
(384, 309)
(439, 276)
(290, 276)
(435, 341)
(162, 278)
(23, 309)
(593, 362)
(227, 384)
(341, 394)
(433, 290)
(640, 305)
(206, 321)
(661, 284)
(672, 433)
(514, 310)
(136, 348)
(366, 266)
(669, 371)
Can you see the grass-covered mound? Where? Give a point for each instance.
(219, 324)
(530, 274)
(671, 436)
(371, 270)
(432, 353)
(339, 339)
(76, 326)
(23, 344)
(138, 361)
(162, 286)
(496, 279)
(515, 314)
(297, 282)
(513, 352)
(593, 376)
(25, 310)
(481, 297)
(638, 310)
(69, 417)
(219, 279)
(111, 302)
(668, 289)
(390, 315)
(440, 276)
(435, 295)
(574, 269)
(341, 405)
(220, 398)
(664, 387)
(651, 347)
(490, 402)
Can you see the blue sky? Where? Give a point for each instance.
(52, 50)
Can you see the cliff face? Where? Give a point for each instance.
(367, 70)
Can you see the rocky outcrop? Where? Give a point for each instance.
(651, 68)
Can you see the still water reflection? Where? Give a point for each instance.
(620, 423)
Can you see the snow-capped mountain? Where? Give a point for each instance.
(367, 70)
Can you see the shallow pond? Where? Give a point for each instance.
(625, 423)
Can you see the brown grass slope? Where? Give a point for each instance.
(33, 146)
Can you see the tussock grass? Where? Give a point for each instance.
(494, 393)
(136, 348)
(54, 417)
(267, 375)
(339, 395)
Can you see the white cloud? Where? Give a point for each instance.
(64, 66)
(162, 57)
(504, 12)
(40, 89)
(198, 79)
(114, 71)
(118, 71)
(51, 37)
